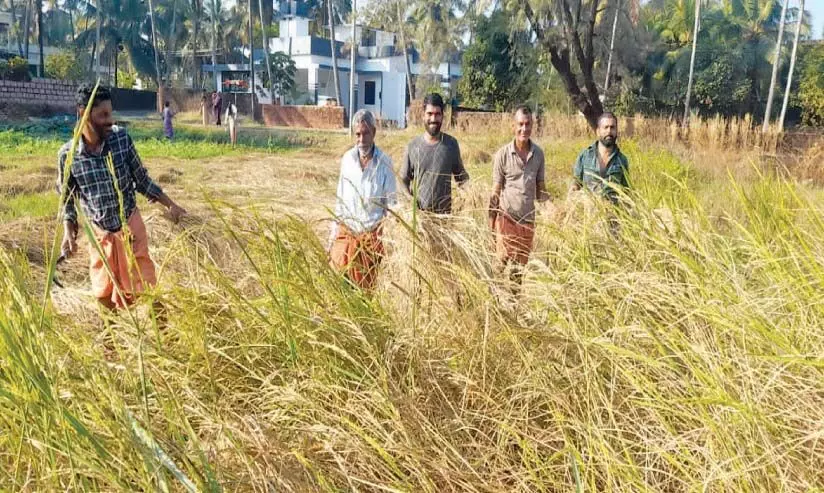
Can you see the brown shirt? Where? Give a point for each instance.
(519, 180)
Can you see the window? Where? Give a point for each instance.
(369, 92)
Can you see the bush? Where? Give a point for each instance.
(126, 80)
(16, 69)
(811, 87)
(65, 65)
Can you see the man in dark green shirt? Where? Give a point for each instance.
(601, 167)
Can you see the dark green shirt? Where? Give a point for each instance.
(587, 172)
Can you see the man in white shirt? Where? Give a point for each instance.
(366, 190)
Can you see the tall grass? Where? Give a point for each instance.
(682, 353)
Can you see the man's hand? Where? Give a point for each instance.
(176, 212)
(69, 244)
(494, 208)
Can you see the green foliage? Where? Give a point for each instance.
(16, 69)
(126, 80)
(722, 87)
(66, 65)
(283, 73)
(811, 86)
(498, 67)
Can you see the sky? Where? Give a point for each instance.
(816, 10)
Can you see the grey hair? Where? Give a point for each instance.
(364, 116)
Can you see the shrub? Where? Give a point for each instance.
(65, 65)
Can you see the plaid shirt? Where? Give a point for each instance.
(91, 181)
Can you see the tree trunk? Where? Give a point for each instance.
(71, 25)
(266, 50)
(41, 68)
(612, 45)
(792, 66)
(401, 28)
(172, 38)
(95, 55)
(775, 67)
(16, 27)
(252, 58)
(352, 66)
(198, 76)
(334, 51)
(585, 99)
(214, 42)
(695, 29)
(156, 59)
(26, 30)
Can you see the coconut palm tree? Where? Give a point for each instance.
(123, 22)
(799, 23)
(774, 77)
(695, 30)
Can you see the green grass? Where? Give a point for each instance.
(683, 354)
(190, 142)
(28, 205)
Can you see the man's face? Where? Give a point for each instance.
(433, 117)
(523, 127)
(364, 137)
(100, 119)
(607, 131)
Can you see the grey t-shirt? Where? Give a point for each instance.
(431, 167)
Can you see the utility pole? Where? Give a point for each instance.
(792, 66)
(354, 53)
(695, 30)
(252, 57)
(612, 46)
(775, 67)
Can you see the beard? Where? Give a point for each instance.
(433, 129)
(365, 151)
(608, 141)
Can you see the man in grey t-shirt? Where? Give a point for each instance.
(431, 161)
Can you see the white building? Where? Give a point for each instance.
(8, 43)
(380, 68)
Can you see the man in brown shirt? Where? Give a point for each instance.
(518, 181)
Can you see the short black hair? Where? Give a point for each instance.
(84, 94)
(166, 103)
(522, 108)
(433, 99)
(605, 115)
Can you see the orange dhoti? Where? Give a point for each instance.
(126, 277)
(514, 239)
(357, 256)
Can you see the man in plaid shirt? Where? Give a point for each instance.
(104, 175)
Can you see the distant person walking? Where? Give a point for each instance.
(231, 120)
(105, 173)
(217, 106)
(366, 190)
(204, 108)
(168, 114)
(518, 179)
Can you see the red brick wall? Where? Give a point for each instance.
(303, 116)
(42, 94)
